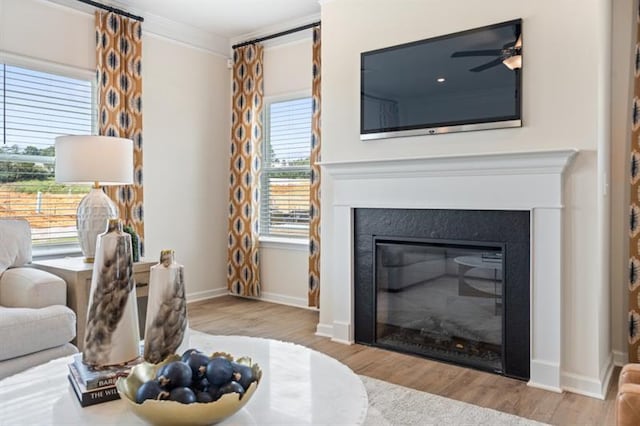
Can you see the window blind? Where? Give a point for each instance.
(286, 171)
(36, 107)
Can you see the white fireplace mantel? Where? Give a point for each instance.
(530, 162)
(497, 181)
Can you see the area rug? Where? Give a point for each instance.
(393, 405)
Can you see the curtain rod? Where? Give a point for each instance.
(280, 34)
(112, 9)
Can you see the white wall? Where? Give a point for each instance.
(284, 267)
(551, 29)
(563, 94)
(42, 30)
(186, 113)
(287, 67)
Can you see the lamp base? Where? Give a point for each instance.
(94, 211)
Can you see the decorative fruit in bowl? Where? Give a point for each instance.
(192, 389)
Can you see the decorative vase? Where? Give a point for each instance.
(166, 326)
(112, 334)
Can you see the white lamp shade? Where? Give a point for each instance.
(88, 159)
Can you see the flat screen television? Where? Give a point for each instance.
(470, 80)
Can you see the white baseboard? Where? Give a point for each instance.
(342, 332)
(324, 330)
(620, 358)
(582, 385)
(588, 386)
(544, 387)
(545, 375)
(197, 296)
(605, 375)
(282, 299)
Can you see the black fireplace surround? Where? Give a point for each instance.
(509, 231)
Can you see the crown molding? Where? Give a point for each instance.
(163, 27)
(186, 34)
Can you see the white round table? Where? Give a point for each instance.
(299, 386)
(465, 264)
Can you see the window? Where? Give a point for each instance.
(286, 170)
(35, 107)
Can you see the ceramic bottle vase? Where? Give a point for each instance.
(112, 334)
(166, 326)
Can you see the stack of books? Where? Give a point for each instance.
(93, 386)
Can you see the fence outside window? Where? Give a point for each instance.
(35, 108)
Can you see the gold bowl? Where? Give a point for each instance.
(175, 413)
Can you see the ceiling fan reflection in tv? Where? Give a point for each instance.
(510, 55)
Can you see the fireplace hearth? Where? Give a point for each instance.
(451, 285)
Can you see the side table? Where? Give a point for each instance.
(77, 274)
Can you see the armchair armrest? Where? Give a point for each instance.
(628, 405)
(31, 288)
(630, 374)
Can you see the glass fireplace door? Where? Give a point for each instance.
(440, 300)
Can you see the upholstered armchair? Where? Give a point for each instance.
(628, 398)
(35, 323)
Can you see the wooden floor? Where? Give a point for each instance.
(235, 316)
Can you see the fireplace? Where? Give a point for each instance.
(529, 182)
(451, 285)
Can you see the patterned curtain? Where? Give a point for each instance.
(243, 273)
(314, 196)
(634, 215)
(119, 61)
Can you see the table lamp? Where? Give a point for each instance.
(97, 160)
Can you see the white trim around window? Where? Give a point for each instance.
(37, 86)
(280, 243)
(287, 164)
